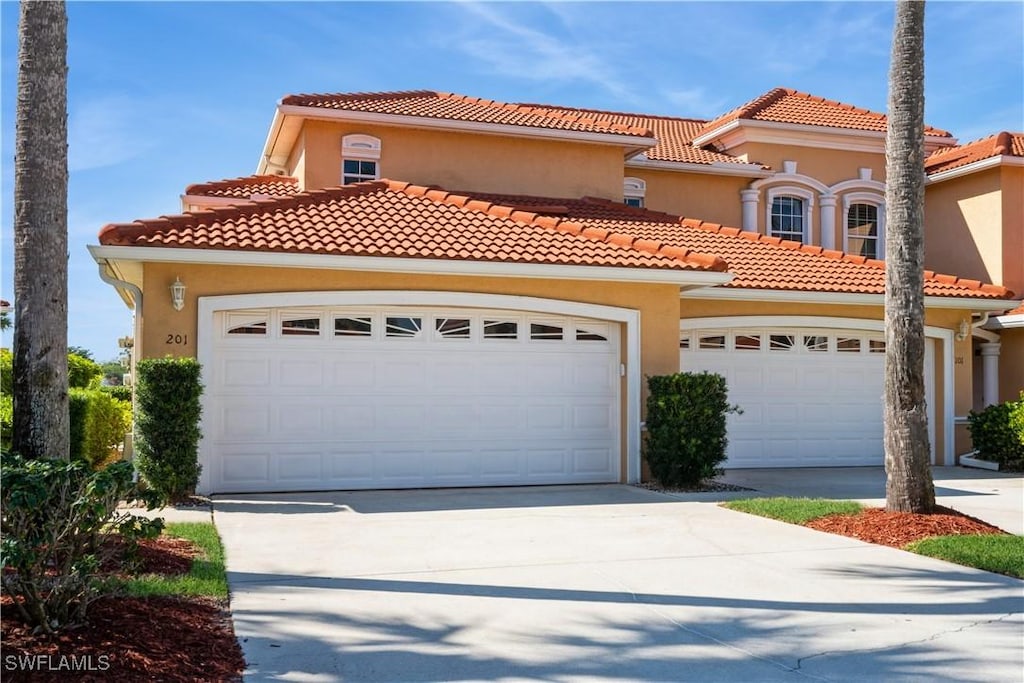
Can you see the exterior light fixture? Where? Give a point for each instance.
(963, 330)
(178, 294)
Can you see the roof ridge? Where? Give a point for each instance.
(374, 95)
(467, 203)
(241, 181)
(639, 115)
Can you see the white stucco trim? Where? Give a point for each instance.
(226, 257)
(744, 170)
(874, 199)
(941, 335)
(1005, 322)
(840, 298)
(984, 164)
(629, 318)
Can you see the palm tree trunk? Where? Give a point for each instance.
(41, 234)
(909, 486)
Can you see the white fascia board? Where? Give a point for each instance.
(223, 257)
(1005, 322)
(630, 142)
(982, 165)
(718, 168)
(271, 142)
(739, 131)
(839, 298)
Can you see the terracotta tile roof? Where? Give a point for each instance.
(784, 105)
(386, 218)
(1004, 143)
(757, 261)
(247, 187)
(453, 107)
(675, 135)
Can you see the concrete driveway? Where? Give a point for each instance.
(593, 583)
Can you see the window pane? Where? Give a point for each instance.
(352, 327)
(500, 329)
(368, 168)
(848, 345)
(747, 342)
(303, 326)
(815, 342)
(787, 218)
(876, 346)
(634, 201)
(452, 328)
(862, 230)
(251, 328)
(781, 342)
(403, 327)
(350, 166)
(684, 342)
(541, 331)
(586, 335)
(712, 341)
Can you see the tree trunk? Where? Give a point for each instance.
(41, 234)
(909, 485)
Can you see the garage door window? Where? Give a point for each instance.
(747, 342)
(876, 346)
(501, 329)
(848, 345)
(402, 327)
(301, 327)
(543, 331)
(712, 341)
(583, 334)
(353, 327)
(452, 328)
(782, 342)
(815, 342)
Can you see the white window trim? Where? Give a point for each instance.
(359, 146)
(635, 188)
(807, 196)
(873, 199)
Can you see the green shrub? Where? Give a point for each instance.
(56, 517)
(82, 371)
(997, 433)
(121, 393)
(6, 421)
(167, 425)
(6, 373)
(685, 441)
(98, 424)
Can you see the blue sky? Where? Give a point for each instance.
(164, 94)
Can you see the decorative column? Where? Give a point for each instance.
(827, 202)
(749, 199)
(990, 373)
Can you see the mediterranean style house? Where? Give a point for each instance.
(427, 289)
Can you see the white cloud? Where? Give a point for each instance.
(107, 131)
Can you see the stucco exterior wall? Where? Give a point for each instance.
(963, 226)
(830, 166)
(1012, 186)
(465, 161)
(1011, 364)
(713, 198)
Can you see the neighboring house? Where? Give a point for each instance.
(489, 317)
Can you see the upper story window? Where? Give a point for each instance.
(862, 230)
(787, 219)
(633, 191)
(360, 158)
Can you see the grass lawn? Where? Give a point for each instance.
(206, 577)
(794, 510)
(1000, 554)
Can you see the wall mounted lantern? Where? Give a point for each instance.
(178, 294)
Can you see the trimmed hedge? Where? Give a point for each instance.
(686, 431)
(167, 432)
(121, 393)
(997, 433)
(98, 423)
(82, 371)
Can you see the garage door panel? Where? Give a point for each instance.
(806, 405)
(309, 412)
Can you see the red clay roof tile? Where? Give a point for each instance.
(454, 107)
(1000, 144)
(784, 105)
(390, 218)
(260, 186)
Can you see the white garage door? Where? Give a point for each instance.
(810, 398)
(330, 398)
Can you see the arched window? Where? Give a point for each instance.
(360, 158)
(862, 230)
(633, 191)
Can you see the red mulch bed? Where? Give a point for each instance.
(897, 529)
(133, 639)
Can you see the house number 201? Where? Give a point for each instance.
(177, 339)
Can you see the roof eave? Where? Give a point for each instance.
(975, 167)
(739, 131)
(744, 170)
(225, 257)
(843, 298)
